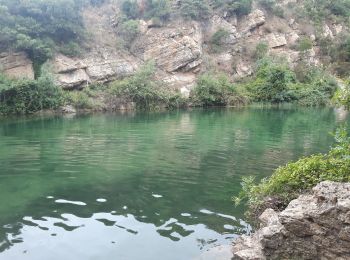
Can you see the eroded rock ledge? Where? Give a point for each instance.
(314, 226)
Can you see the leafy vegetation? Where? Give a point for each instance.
(150, 9)
(275, 82)
(128, 30)
(238, 7)
(261, 50)
(38, 26)
(289, 181)
(144, 90)
(342, 96)
(319, 10)
(304, 44)
(195, 9)
(217, 90)
(217, 39)
(29, 96)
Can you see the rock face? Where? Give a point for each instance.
(254, 19)
(314, 226)
(181, 49)
(276, 40)
(16, 65)
(76, 73)
(173, 49)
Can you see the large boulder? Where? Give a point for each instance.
(16, 65)
(314, 226)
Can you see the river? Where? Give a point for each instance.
(142, 185)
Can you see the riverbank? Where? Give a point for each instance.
(314, 226)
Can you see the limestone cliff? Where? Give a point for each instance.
(180, 48)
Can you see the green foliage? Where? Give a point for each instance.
(37, 26)
(278, 11)
(216, 90)
(272, 82)
(342, 96)
(71, 49)
(276, 82)
(217, 39)
(130, 9)
(157, 9)
(268, 4)
(304, 44)
(129, 30)
(195, 9)
(239, 7)
(289, 181)
(319, 10)
(78, 99)
(142, 89)
(29, 96)
(150, 9)
(261, 50)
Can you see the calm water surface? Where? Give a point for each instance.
(141, 186)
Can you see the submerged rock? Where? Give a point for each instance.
(314, 226)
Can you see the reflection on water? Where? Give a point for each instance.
(141, 186)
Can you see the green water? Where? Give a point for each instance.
(141, 186)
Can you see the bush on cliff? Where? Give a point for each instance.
(289, 181)
(143, 89)
(195, 9)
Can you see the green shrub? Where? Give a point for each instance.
(240, 7)
(142, 89)
(289, 181)
(271, 83)
(158, 9)
(319, 10)
(278, 11)
(29, 96)
(150, 9)
(342, 96)
(71, 49)
(274, 81)
(131, 9)
(304, 44)
(195, 9)
(261, 50)
(268, 5)
(129, 30)
(216, 90)
(217, 39)
(78, 99)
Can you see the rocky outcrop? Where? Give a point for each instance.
(253, 20)
(172, 48)
(276, 40)
(314, 226)
(182, 49)
(73, 73)
(16, 65)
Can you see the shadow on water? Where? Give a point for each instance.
(102, 185)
